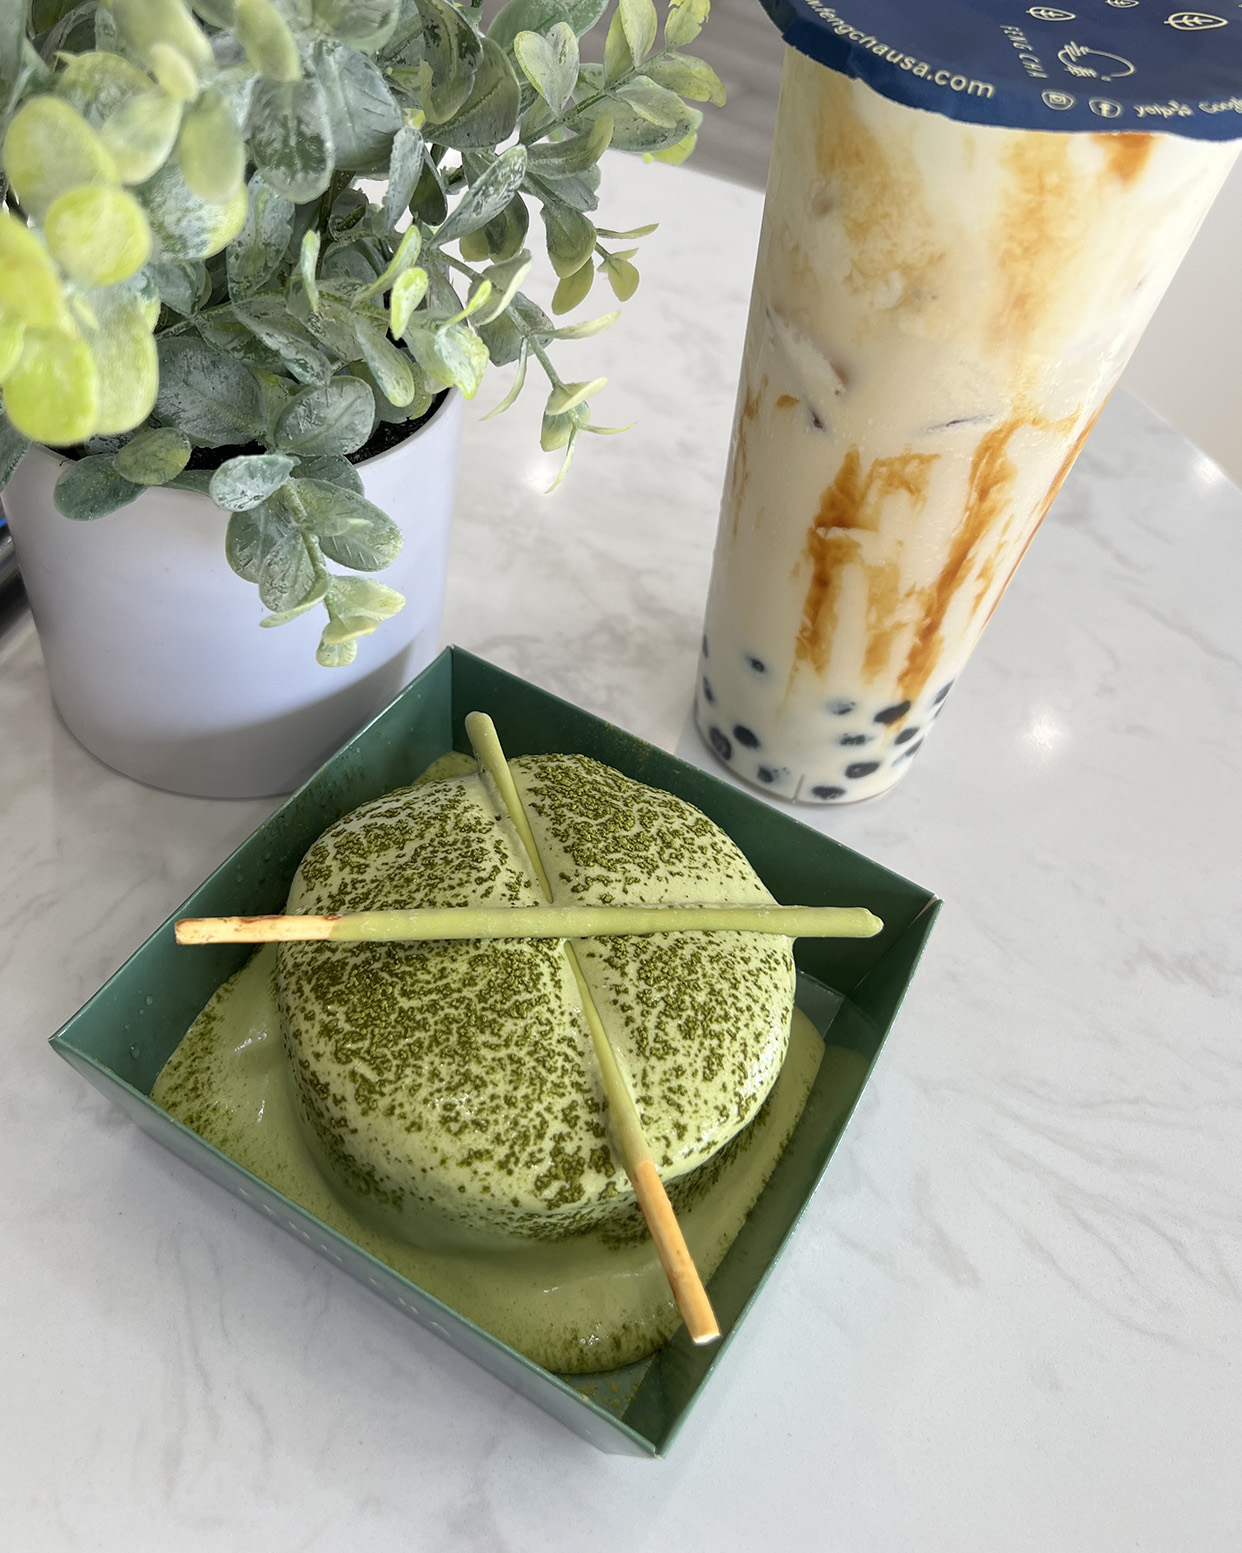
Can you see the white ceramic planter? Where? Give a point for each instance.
(154, 653)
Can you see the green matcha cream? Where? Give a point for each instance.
(439, 1103)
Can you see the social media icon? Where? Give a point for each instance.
(1058, 99)
(1106, 107)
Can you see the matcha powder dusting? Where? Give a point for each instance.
(450, 1089)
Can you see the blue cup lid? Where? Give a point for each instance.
(1094, 65)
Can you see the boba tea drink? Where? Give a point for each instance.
(941, 306)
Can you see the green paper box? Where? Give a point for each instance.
(851, 989)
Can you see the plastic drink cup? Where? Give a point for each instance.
(942, 302)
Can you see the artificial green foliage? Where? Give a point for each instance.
(188, 261)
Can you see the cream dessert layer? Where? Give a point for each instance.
(450, 1090)
(588, 1302)
(939, 312)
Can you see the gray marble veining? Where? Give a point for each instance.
(1012, 1315)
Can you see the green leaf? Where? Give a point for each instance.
(573, 289)
(124, 351)
(335, 469)
(355, 597)
(565, 396)
(213, 398)
(287, 572)
(428, 203)
(366, 24)
(638, 18)
(452, 51)
(91, 488)
(638, 231)
(570, 237)
(633, 131)
(265, 35)
(175, 73)
(390, 367)
(351, 530)
(260, 245)
(653, 103)
(148, 25)
(405, 164)
(537, 16)
(674, 155)
(316, 594)
(550, 63)
(519, 381)
(684, 21)
(408, 250)
(486, 197)
(291, 137)
(141, 133)
(98, 234)
(333, 325)
(506, 234)
(308, 260)
(242, 483)
(362, 112)
(559, 157)
(253, 535)
(210, 150)
(490, 113)
(49, 149)
(356, 606)
(98, 84)
(12, 334)
(504, 278)
(583, 14)
(618, 60)
(577, 190)
(591, 326)
(52, 394)
(336, 418)
(184, 226)
(153, 457)
(13, 446)
(407, 292)
(622, 276)
(503, 339)
(452, 356)
(268, 318)
(688, 77)
(180, 284)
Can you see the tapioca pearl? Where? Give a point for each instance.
(721, 743)
(905, 735)
(892, 714)
(840, 708)
(770, 774)
(745, 736)
(709, 695)
(757, 664)
(854, 738)
(861, 768)
(826, 791)
(705, 652)
(908, 751)
(942, 693)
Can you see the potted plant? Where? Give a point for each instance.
(252, 255)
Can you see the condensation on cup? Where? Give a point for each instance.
(940, 310)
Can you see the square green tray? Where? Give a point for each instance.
(851, 988)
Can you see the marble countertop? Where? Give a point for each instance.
(1012, 1315)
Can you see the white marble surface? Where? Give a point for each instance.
(1012, 1316)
